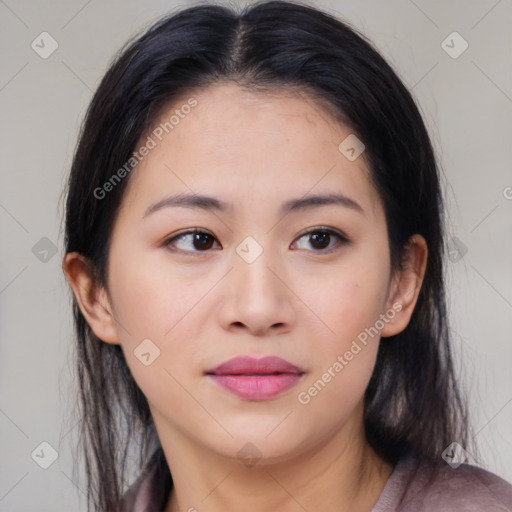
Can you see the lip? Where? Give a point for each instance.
(256, 379)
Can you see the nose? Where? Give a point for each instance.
(256, 297)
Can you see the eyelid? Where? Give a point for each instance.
(342, 238)
(191, 231)
(327, 229)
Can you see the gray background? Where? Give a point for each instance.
(466, 102)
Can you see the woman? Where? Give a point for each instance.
(254, 241)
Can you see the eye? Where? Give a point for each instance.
(321, 238)
(195, 240)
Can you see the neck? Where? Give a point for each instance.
(342, 473)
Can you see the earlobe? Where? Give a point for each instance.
(406, 285)
(91, 298)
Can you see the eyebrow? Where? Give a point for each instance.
(209, 203)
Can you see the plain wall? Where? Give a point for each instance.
(466, 102)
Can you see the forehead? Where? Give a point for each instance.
(227, 114)
(237, 144)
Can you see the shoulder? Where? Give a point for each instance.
(151, 489)
(422, 486)
(138, 496)
(470, 488)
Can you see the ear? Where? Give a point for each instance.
(91, 298)
(406, 284)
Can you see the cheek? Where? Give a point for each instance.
(352, 302)
(153, 303)
(159, 306)
(343, 366)
(151, 300)
(349, 354)
(351, 309)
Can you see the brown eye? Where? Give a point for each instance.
(202, 241)
(323, 240)
(320, 239)
(191, 241)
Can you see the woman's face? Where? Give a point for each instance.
(255, 283)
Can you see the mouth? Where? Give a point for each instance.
(256, 379)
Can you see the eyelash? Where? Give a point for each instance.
(342, 240)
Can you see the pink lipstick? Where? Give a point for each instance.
(256, 379)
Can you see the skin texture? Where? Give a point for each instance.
(201, 307)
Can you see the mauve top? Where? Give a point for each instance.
(464, 489)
